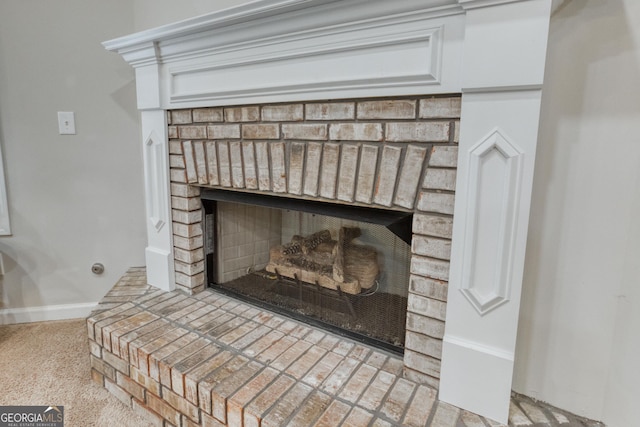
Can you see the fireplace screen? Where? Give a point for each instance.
(342, 273)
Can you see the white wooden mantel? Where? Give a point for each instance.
(491, 51)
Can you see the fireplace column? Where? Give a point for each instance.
(155, 151)
(498, 136)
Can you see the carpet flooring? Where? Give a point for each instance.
(48, 364)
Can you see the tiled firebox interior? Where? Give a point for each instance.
(208, 360)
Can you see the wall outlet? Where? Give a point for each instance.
(66, 123)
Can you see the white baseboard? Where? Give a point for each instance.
(9, 316)
(486, 373)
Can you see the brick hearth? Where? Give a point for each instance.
(209, 360)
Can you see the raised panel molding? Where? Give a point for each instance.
(155, 176)
(330, 59)
(275, 51)
(494, 170)
(155, 150)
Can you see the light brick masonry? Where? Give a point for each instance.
(398, 153)
(207, 360)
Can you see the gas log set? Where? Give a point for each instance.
(338, 264)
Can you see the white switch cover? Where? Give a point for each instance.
(66, 123)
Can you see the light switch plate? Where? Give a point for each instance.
(66, 123)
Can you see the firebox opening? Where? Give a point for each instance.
(337, 269)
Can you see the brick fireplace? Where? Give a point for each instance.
(391, 105)
(398, 153)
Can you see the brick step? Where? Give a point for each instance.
(209, 360)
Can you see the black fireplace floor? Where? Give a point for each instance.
(377, 318)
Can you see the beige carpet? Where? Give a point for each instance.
(48, 364)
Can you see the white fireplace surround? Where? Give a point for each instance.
(491, 51)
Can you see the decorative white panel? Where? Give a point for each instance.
(380, 55)
(154, 181)
(155, 150)
(494, 167)
(284, 50)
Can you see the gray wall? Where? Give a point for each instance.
(579, 333)
(73, 200)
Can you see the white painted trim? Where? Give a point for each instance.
(480, 348)
(312, 49)
(160, 267)
(492, 51)
(158, 199)
(155, 153)
(252, 13)
(506, 191)
(505, 46)
(10, 316)
(464, 368)
(476, 4)
(241, 72)
(5, 224)
(480, 367)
